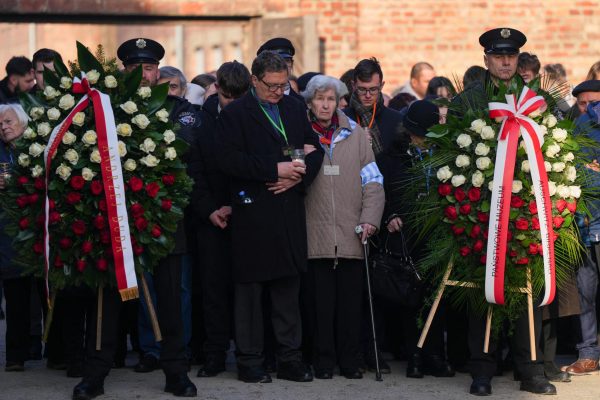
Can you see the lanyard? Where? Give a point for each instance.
(372, 116)
(280, 128)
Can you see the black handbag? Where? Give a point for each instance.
(394, 277)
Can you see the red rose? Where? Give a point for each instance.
(166, 205)
(73, 197)
(22, 180)
(141, 223)
(533, 207)
(137, 210)
(102, 205)
(168, 179)
(485, 234)
(459, 194)
(77, 182)
(450, 213)
(533, 249)
(136, 184)
(38, 247)
(483, 259)
(572, 207)
(523, 261)
(535, 223)
(457, 230)
(540, 249)
(465, 251)
(152, 189)
(101, 264)
(22, 201)
(474, 194)
(40, 220)
(521, 224)
(445, 189)
(87, 247)
(99, 222)
(54, 217)
(24, 223)
(478, 246)
(80, 264)
(509, 237)
(39, 184)
(137, 249)
(513, 253)
(51, 204)
(96, 188)
(475, 231)
(33, 198)
(483, 217)
(65, 243)
(561, 205)
(58, 263)
(465, 209)
(558, 221)
(155, 232)
(78, 227)
(105, 237)
(516, 202)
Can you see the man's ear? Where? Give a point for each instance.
(485, 60)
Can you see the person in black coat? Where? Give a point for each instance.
(255, 136)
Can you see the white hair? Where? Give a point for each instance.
(319, 83)
(22, 117)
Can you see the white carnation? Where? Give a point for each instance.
(543, 129)
(35, 149)
(168, 136)
(487, 133)
(122, 149)
(23, 160)
(463, 140)
(170, 153)
(89, 137)
(66, 82)
(444, 173)
(458, 180)
(149, 161)
(71, 156)
(148, 146)
(63, 171)
(130, 165)
(568, 157)
(482, 149)
(490, 185)
(162, 115)
(144, 92)
(575, 191)
(110, 81)
(87, 174)
(95, 156)
(37, 171)
(552, 150)
(571, 173)
(563, 191)
(477, 179)
(50, 92)
(547, 166)
(558, 167)
(549, 120)
(525, 166)
(69, 138)
(559, 134)
(535, 113)
(477, 125)
(124, 129)
(141, 121)
(53, 114)
(43, 129)
(483, 163)
(92, 76)
(517, 186)
(29, 133)
(36, 112)
(129, 107)
(462, 161)
(66, 102)
(79, 119)
(551, 188)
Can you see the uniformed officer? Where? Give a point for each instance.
(501, 50)
(286, 50)
(166, 276)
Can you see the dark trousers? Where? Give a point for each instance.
(217, 289)
(167, 284)
(17, 292)
(285, 317)
(334, 310)
(482, 364)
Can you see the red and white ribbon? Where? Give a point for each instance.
(515, 124)
(112, 180)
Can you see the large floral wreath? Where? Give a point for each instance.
(455, 215)
(80, 248)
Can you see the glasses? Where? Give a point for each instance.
(372, 91)
(273, 87)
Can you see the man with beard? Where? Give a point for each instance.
(19, 79)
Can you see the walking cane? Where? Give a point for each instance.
(378, 377)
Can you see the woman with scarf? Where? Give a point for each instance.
(348, 192)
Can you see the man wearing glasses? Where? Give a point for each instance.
(256, 136)
(286, 50)
(366, 105)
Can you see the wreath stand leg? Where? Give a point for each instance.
(99, 318)
(488, 329)
(435, 305)
(151, 311)
(530, 313)
(49, 316)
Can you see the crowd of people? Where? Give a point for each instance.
(295, 179)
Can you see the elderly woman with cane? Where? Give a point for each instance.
(348, 192)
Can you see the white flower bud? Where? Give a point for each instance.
(482, 149)
(69, 138)
(477, 125)
(36, 112)
(89, 137)
(162, 115)
(37, 171)
(477, 179)
(148, 146)
(559, 134)
(558, 167)
(149, 161)
(141, 121)
(66, 102)
(563, 191)
(50, 92)
(170, 153)
(79, 119)
(92, 76)
(575, 191)
(463, 140)
(23, 160)
(129, 107)
(483, 163)
(462, 161)
(29, 134)
(124, 129)
(130, 165)
(568, 157)
(71, 156)
(53, 114)
(87, 174)
(458, 180)
(444, 173)
(66, 82)
(35, 149)
(525, 166)
(63, 171)
(487, 133)
(169, 136)
(517, 186)
(549, 120)
(122, 149)
(552, 150)
(551, 188)
(571, 173)
(95, 156)
(110, 81)
(144, 92)
(43, 129)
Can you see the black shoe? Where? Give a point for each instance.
(12, 366)
(270, 366)
(414, 368)
(384, 367)
(86, 390)
(438, 367)
(253, 375)
(351, 373)
(538, 385)
(294, 371)
(147, 363)
(212, 367)
(180, 386)
(554, 374)
(323, 373)
(481, 386)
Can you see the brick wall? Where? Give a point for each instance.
(399, 33)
